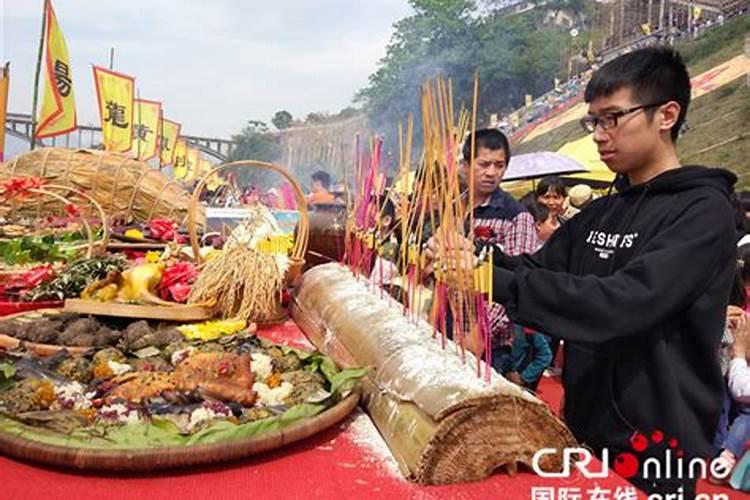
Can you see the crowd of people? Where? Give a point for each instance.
(636, 283)
(645, 287)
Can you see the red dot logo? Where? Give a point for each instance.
(673, 443)
(657, 436)
(639, 442)
(626, 465)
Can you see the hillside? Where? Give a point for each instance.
(719, 122)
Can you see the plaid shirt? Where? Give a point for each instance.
(505, 223)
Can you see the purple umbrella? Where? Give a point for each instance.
(533, 165)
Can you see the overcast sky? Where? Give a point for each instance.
(213, 63)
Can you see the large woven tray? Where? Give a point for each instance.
(150, 459)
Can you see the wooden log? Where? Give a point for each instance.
(442, 423)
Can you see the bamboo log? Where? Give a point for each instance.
(442, 423)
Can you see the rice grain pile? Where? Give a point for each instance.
(243, 283)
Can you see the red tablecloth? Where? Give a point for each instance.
(349, 460)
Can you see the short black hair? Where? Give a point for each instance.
(488, 138)
(323, 177)
(539, 212)
(743, 254)
(654, 74)
(552, 182)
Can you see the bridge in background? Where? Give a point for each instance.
(90, 137)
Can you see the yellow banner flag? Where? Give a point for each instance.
(58, 113)
(514, 121)
(114, 92)
(4, 80)
(168, 135)
(180, 160)
(213, 181)
(193, 163)
(206, 167)
(146, 128)
(528, 100)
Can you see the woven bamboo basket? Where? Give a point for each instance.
(297, 255)
(64, 196)
(149, 459)
(124, 187)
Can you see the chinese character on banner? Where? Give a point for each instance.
(170, 131)
(542, 493)
(62, 78)
(146, 128)
(180, 161)
(193, 163)
(141, 132)
(58, 112)
(116, 115)
(114, 92)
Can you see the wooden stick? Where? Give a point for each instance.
(36, 76)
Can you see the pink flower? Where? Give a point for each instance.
(176, 280)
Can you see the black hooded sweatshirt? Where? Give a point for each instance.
(637, 285)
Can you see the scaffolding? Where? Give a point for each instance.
(620, 23)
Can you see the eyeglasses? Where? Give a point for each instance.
(608, 121)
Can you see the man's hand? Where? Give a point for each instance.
(515, 378)
(455, 253)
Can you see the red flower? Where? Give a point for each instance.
(164, 230)
(72, 210)
(20, 187)
(176, 280)
(484, 233)
(179, 292)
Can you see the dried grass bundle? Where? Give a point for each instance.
(244, 283)
(124, 187)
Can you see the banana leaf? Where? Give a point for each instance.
(158, 432)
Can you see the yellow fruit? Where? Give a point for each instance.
(134, 233)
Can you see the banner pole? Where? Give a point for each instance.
(36, 78)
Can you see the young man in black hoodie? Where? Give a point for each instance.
(637, 284)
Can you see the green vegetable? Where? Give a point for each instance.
(7, 372)
(70, 282)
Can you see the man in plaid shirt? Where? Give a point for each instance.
(499, 219)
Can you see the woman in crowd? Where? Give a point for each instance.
(551, 192)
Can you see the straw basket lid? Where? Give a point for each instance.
(123, 186)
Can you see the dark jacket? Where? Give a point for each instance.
(637, 285)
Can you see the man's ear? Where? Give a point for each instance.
(669, 113)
